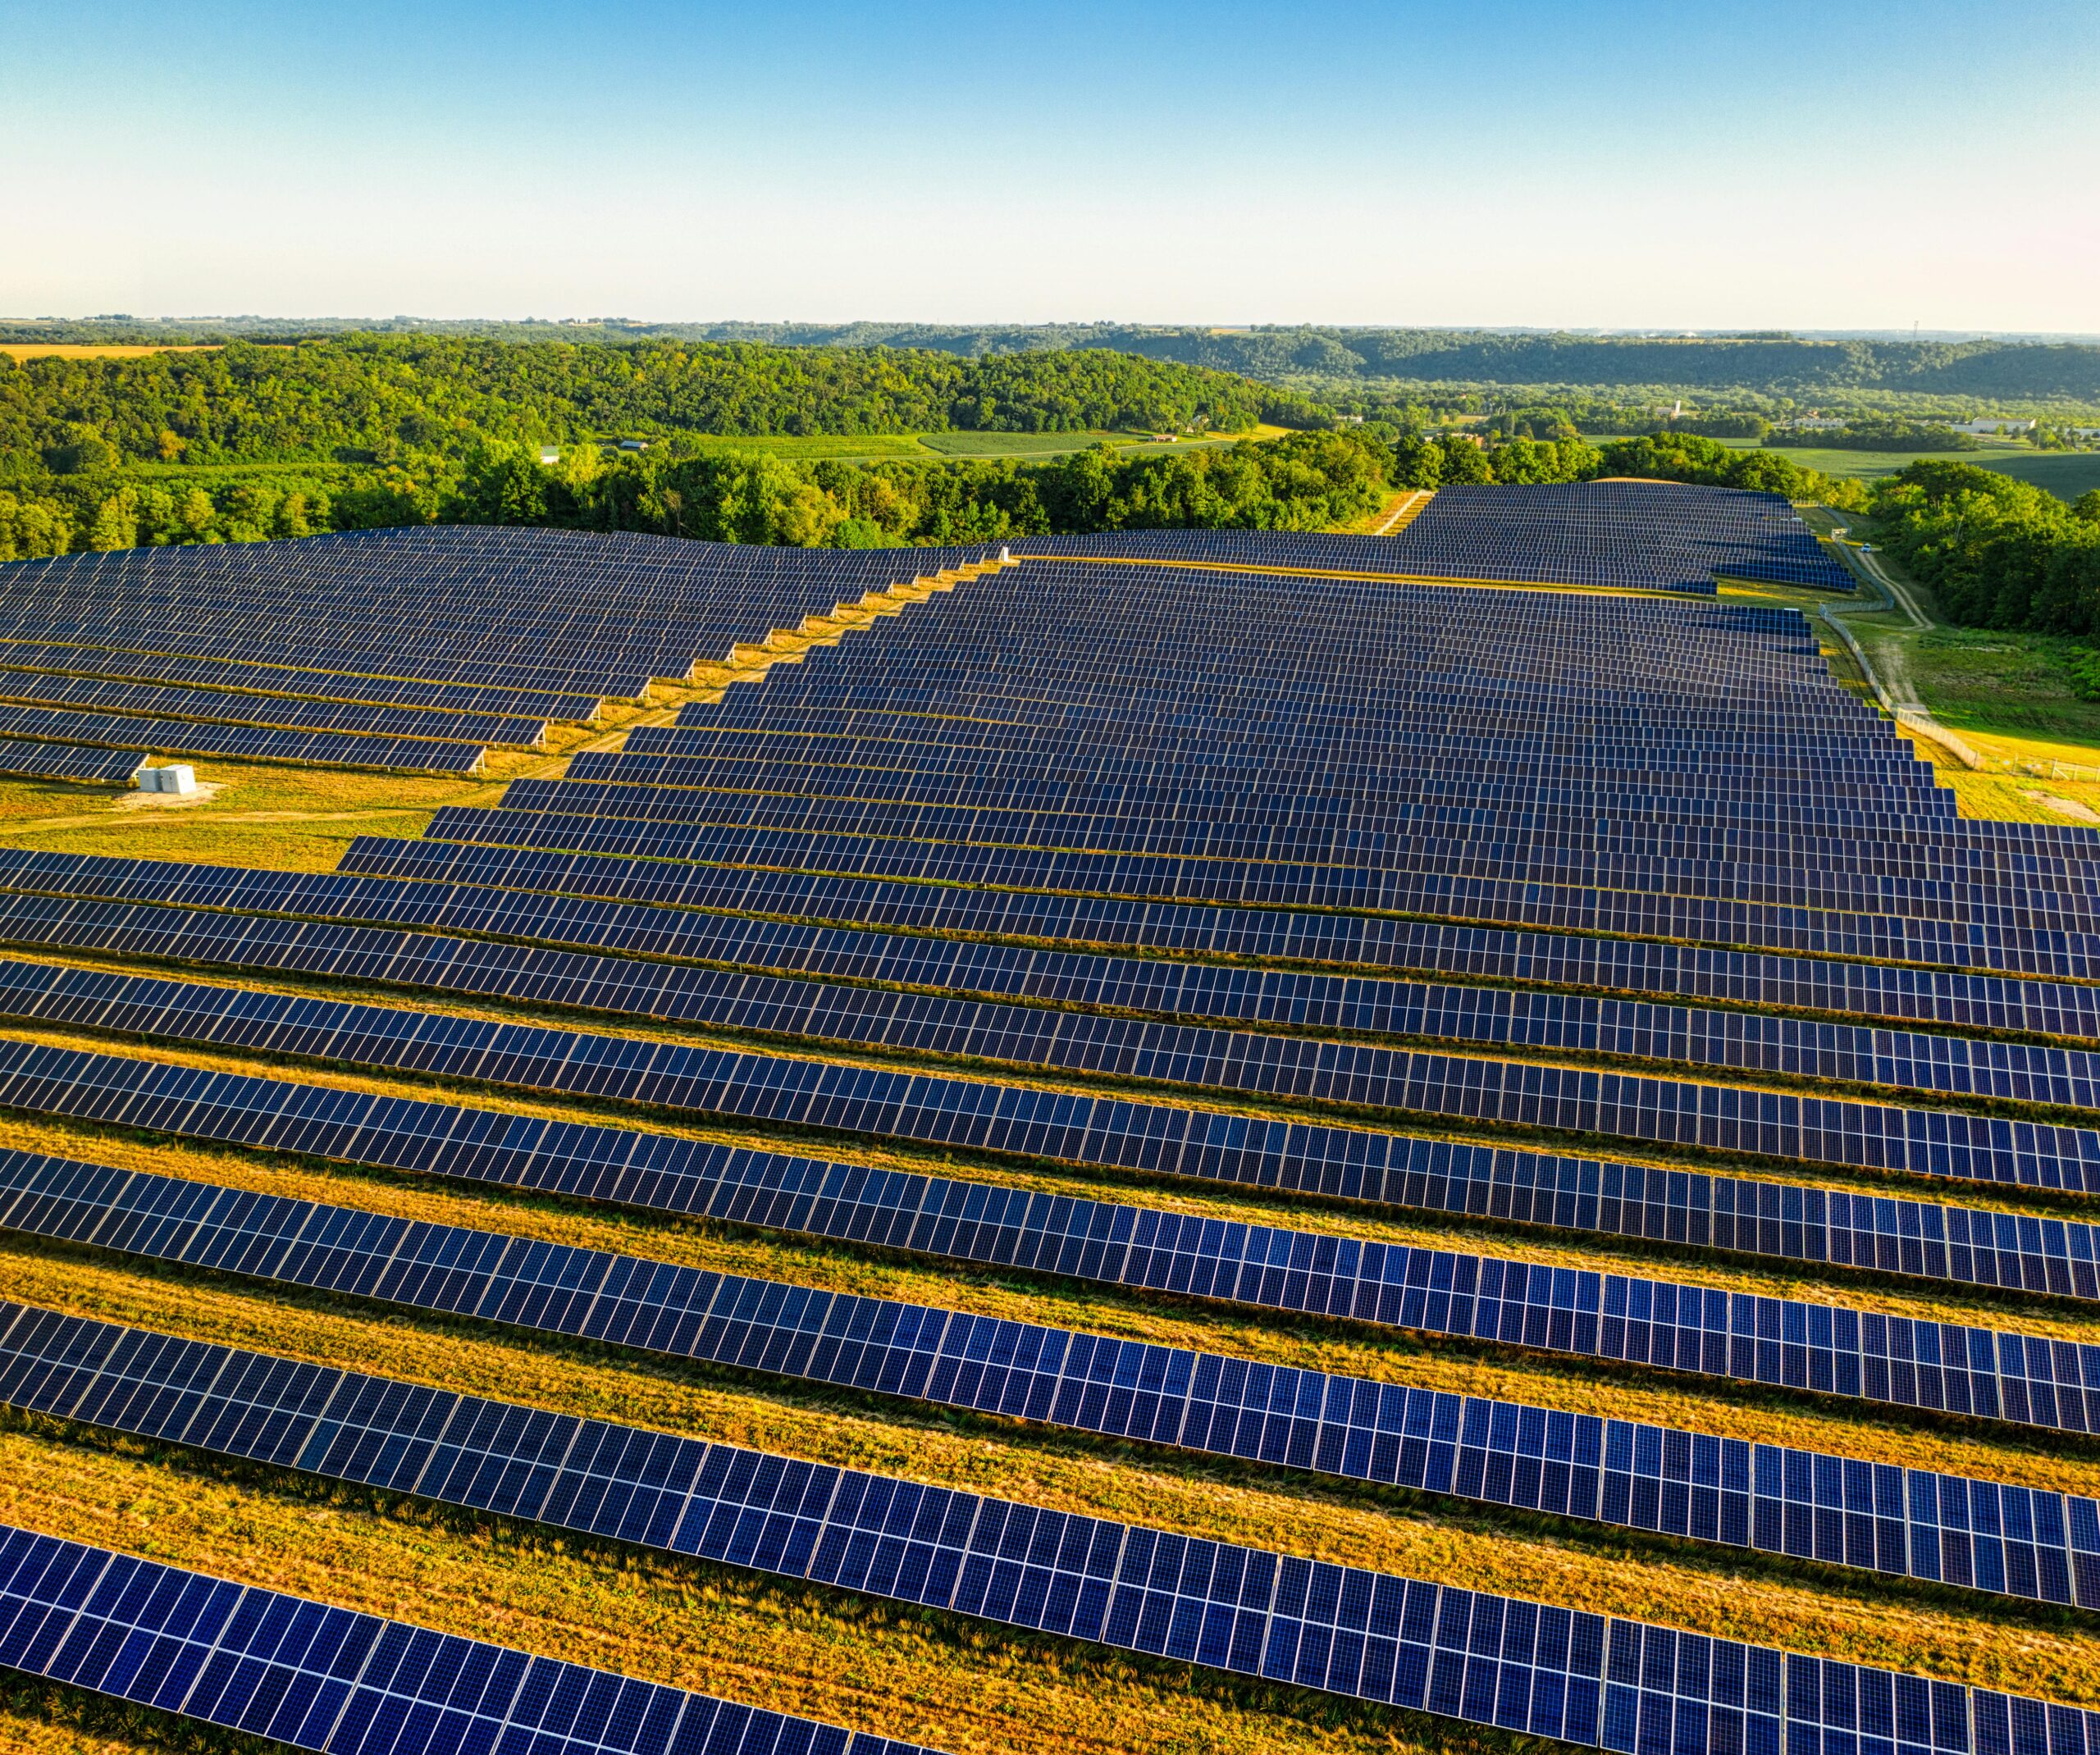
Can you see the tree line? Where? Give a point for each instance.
(1995, 551)
(1870, 433)
(1308, 481)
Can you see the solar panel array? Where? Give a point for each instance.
(1553, 1057)
(402, 650)
(34, 761)
(227, 708)
(1634, 535)
(1524, 1666)
(1979, 1534)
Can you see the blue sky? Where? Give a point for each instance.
(1495, 162)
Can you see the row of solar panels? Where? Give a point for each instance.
(118, 664)
(1157, 983)
(646, 861)
(1978, 1533)
(1143, 921)
(1065, 1027)
(311, 1676)
(1539, 1187)
(254, 743)
(1475, 1655)
(1622, 822)
(111, 697)
(1137, 614)
(1521, 1186)
(1833, 1350)
(34, 761)
(622, 797)
(1627, 1105)
(1507, 800)
(1644, 536)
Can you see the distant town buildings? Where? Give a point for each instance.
(1987, 426)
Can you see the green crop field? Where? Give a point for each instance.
(1013, 445)
(2065, 473)
(858, 447)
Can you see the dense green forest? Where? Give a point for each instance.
(375, 399)
(1305, 481)
(1367, 367)
(253, 440)
(1996, 552)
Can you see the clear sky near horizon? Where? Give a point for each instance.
(1502, 162)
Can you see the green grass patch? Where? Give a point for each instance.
(1014, 444)
(2003, 683)
(814, 448)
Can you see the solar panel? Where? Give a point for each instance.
(1829, 1349)
(1159, 982)
(31, 761)
(1843, 1511)
(338, 1682)
(222, 707)
(1109, 1131)
(122, 732)
(2053, 1254)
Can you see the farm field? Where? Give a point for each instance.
(93, 349)
(886, 872)
(2066, 474)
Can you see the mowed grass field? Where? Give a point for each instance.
(958, 1685)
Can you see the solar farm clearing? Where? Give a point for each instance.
(1236, 1140)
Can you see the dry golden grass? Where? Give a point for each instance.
(47, 1720)
(100, 349)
